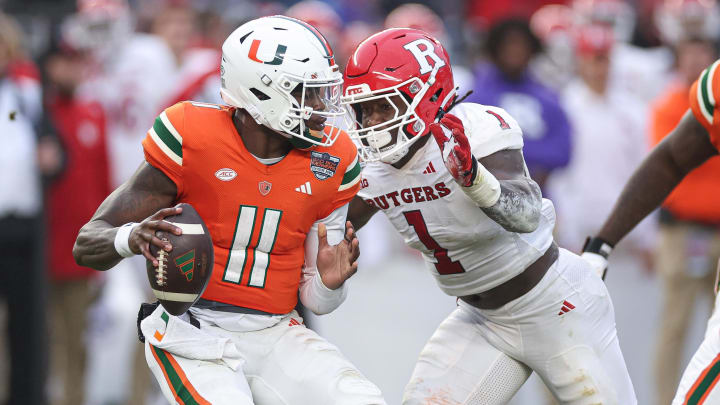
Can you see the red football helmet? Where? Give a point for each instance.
(398, 62)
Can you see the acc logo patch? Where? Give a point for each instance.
(225, 174)
(323, 164)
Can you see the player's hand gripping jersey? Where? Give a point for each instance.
(465, 250)
(258, 215)
(704, 94)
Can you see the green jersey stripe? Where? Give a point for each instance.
(711, 74)
(163, 146)
(350, 184)
(352, 172)
(704, 93)
(701, 103)
(170, 127)
(167, 137)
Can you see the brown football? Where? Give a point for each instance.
(184, 272)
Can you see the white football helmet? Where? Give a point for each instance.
(265, 60)
(99, 26)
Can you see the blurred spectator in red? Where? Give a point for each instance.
(22, 281)
(507, 82)
(607, 126)
(80, 127)
(636, 69)
(553, 24)
(689, 226)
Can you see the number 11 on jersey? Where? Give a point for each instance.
(443, 263)
(240, 249)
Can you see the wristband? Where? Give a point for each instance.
(485, 188)
(598, 246)
(122, 239)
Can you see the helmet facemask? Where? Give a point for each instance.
(314, 104)
(375, 142)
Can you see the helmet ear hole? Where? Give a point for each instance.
(259, 94)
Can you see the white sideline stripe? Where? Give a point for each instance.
(172, 296)
(189, 229)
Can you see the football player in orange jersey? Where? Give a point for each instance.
(267, 174)
(695, 139)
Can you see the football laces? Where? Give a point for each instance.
(161, 270)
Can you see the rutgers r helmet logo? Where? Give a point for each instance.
(422, 49)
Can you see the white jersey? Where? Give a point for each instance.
(463, 248)
(133, 88)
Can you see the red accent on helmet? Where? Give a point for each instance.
(382, 61)
(594, 39)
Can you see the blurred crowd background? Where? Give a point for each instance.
(593, 83)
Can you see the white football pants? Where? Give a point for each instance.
(286, 364)
(563, 329)
(698, 384)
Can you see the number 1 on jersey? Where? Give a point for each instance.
(237, 258)
(443, 264)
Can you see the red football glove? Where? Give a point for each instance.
(449, 134)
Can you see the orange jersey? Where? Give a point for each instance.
(258, 215)
(704, 96)
(689, 199)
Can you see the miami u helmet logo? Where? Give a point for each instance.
(279, 53)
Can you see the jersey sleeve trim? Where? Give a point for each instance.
(352, 175)
(706, 98)
(167, 138)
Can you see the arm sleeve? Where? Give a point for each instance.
(703, 99)
(163, 144)
(313, 293)
(489, 129)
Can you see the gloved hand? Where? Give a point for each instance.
(476, 181)
(449, 134)
(596, 252)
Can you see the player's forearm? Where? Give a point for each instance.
(359, 212)
(95, 246)
(316, 297)
(648, 187)
(519, 205)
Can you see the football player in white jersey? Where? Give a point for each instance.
(466, 202)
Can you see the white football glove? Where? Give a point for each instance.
(596, 252)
